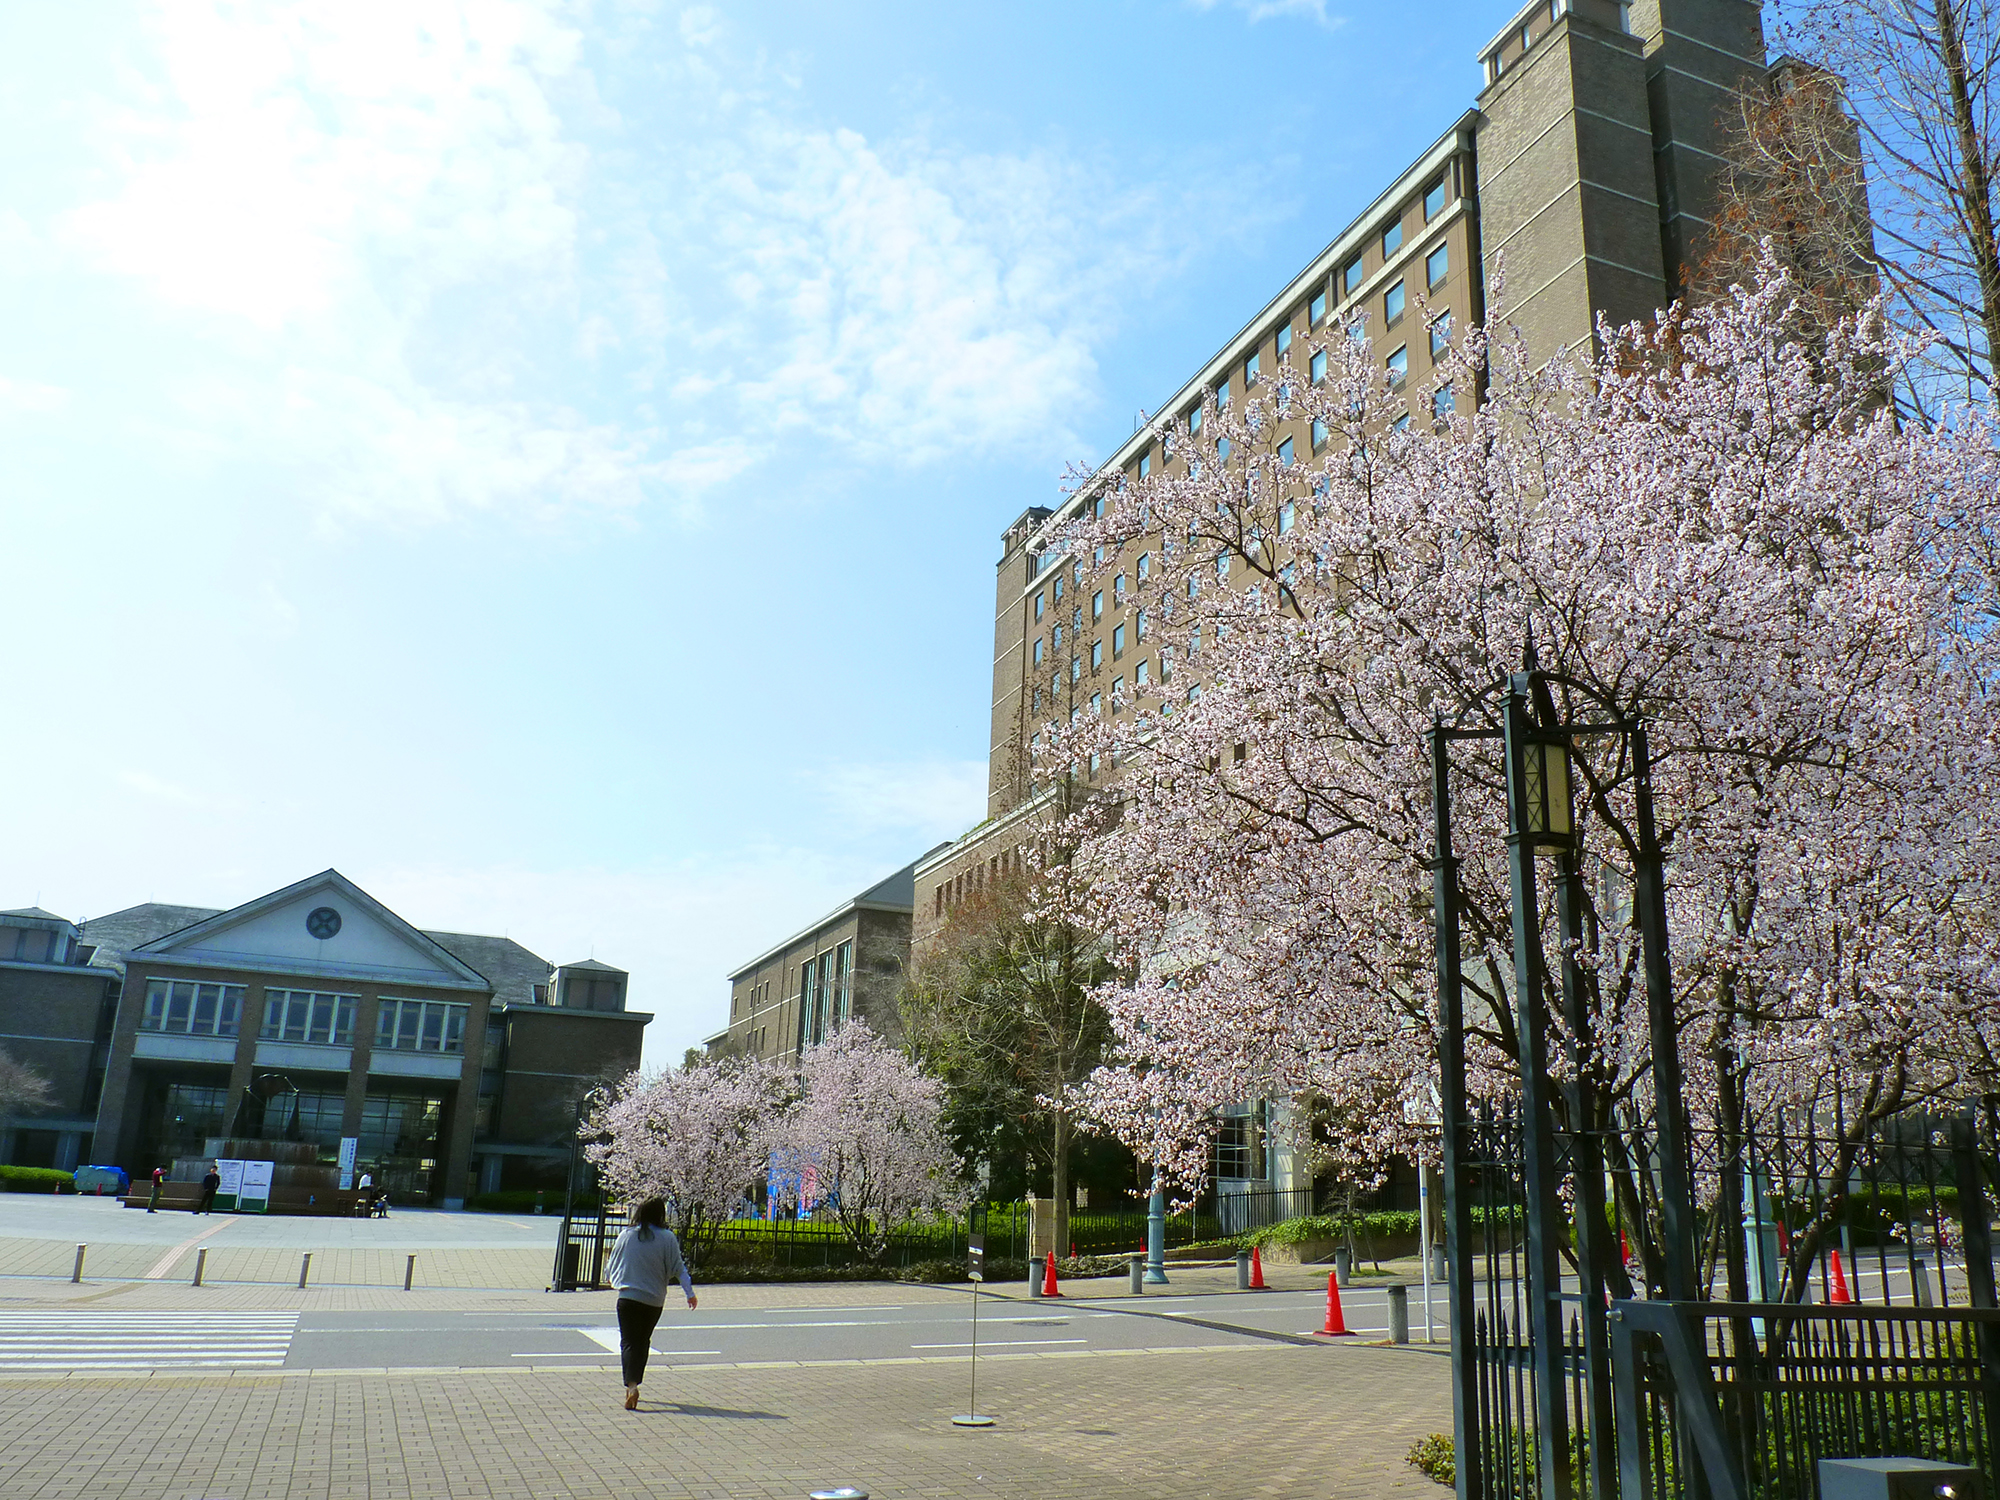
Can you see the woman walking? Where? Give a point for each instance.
(644, 1261)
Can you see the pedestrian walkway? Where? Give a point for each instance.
(1271, 1421)
(58, 1342)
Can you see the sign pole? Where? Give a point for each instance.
(975, 1256)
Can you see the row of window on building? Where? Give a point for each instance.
(192, 1009)
(751, 1000)
(976, 877)
(1349, 280)
(826, 992)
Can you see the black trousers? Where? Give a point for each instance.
(636, 1322)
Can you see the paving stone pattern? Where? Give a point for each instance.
(1259, 1421)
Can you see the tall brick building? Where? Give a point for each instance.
(455, 1060)
(1581, 180)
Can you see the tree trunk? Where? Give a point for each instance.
(1729, 1199)
(1975, 189)
(1059, 1178)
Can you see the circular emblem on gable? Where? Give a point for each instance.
(322, 922)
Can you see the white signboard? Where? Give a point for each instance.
(349, 1147)
(231, 1173)
(255, 1197)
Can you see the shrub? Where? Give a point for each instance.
(522, 1201)
(35, 1180)
(1434, 1459)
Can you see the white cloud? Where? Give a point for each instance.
(930, 800)
(279, 148)
(414, 258)
(901, 298)
(32, 395)
(157, 789)
(1264, 10)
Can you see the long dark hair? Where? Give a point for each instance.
(650, 1215)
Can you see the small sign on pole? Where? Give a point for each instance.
(350, 1147)
(975, 1265)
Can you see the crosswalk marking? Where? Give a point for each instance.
(132, 1341)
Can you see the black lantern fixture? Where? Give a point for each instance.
(1546, 814)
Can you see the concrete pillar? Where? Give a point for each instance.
(1042, 1228)
(1399, 1314)
(464, 1111)
(244, 1067)
(356, 1098)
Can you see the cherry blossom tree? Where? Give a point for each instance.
(869, 1126)
(1708, 524)
(22, 1089)
(700, 1137)
(1001, 1002)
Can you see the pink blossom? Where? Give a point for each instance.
(1709, 524)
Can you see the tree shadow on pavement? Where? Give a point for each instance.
(684, 1409)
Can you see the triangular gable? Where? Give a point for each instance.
(291, 932)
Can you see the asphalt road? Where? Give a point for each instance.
(890, 1329)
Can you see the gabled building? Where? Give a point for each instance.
(456, 1061)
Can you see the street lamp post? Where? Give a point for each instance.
(1537, 748)
(1538, 818)
(1156, 1233)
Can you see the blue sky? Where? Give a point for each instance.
(547, 460)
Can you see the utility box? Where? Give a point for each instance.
(1897, 1479)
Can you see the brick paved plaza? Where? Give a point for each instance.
(1196, 1413)
(1274, 1420)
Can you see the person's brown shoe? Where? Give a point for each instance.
(631, 1401)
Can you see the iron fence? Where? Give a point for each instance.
(584, 1239)
(1259, 1208)
(1841, 1288)
(1752, 1395)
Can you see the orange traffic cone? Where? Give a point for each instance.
(1049, 1278)
(1256, 1270)
(1336, 1325)
(1839, 1292)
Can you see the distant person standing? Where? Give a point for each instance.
(153, 1199)
(209, 1184)
(646, 1258)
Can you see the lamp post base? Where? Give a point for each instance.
(971, 1419)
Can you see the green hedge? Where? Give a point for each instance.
(522, 1201)
(35, 1180)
